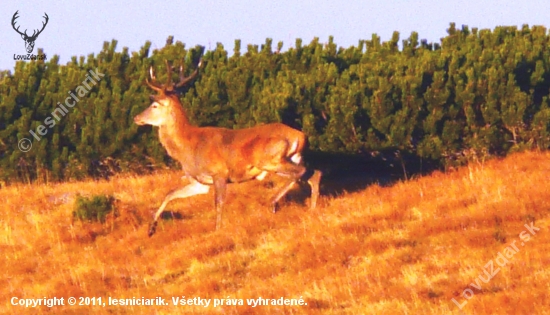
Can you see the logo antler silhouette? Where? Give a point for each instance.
(29, 40)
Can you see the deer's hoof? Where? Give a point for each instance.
(152, 229)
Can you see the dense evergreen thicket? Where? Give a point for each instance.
(478, 93)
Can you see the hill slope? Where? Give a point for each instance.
(409, 248)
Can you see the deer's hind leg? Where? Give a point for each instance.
(313, 178)
(276, 160)
(295, 172)
(289, 170)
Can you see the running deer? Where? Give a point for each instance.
(218, 156)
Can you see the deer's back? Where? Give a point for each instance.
(241, 154)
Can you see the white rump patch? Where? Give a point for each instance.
(261, 176)
(294, 146)
(296, 158)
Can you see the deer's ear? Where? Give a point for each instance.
(152, 98)
(23, 36)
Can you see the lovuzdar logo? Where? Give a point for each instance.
(29, 40)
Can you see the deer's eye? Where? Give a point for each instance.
(155, 105)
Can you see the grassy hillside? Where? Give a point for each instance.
(409, 248)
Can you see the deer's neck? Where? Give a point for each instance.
(174, 135)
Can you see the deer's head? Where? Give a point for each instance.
(29, 40)
(162, 108)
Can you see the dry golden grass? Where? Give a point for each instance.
(405, 249)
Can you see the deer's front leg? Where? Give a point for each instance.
(220, 187)
(194, 188)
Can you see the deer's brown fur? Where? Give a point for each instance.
(217, 156)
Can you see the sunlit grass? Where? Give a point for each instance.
(407, 248)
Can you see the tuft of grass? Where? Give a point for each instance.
(95, 208)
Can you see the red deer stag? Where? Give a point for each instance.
(218, 156)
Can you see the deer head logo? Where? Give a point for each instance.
(29, 40)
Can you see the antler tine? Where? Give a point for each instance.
(184, 80)
(37, 32)
(153, 84)
(44, 23)
(169, 73)
(15, 17)
(152, 73)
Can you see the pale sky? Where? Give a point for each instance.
(78, 28)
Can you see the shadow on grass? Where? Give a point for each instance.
(351, 173)
(169, 215)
